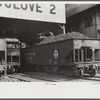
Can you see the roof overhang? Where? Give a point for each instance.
(26, 30)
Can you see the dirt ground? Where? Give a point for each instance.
(46, 77)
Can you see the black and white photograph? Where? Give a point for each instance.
(53, 44)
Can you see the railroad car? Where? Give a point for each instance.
(74, 55)
(13, 55)
(9, 55)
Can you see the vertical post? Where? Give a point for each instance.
(64, 29)
(82, 55)
(20, 52)
(93, 55)
(20, 56)
(78, 55)
(74, 54)
(86, 54)
(5, 43)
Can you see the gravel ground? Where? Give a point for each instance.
(7, 79)
(45, 77)
(61, 78)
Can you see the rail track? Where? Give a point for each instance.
(90, 78)
(40, 77)
(26, 78)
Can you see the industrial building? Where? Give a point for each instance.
(84, 18)
(32, 23)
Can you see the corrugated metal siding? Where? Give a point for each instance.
(68, 50)
(62, 53)
(50, 55)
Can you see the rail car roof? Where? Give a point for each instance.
(61, 37)
(12, 40)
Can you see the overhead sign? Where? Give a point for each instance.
(48, 12)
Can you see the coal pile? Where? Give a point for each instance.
(61, 37)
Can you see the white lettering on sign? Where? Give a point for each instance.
(55, 54)
(49, 12)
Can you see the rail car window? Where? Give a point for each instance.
(83, 55)
(13, 46)
(2, 57)
(8, 58)
(15, 58)
(87, 53)
(77, 55)
(97, 54)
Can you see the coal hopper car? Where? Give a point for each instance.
(70, 53)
